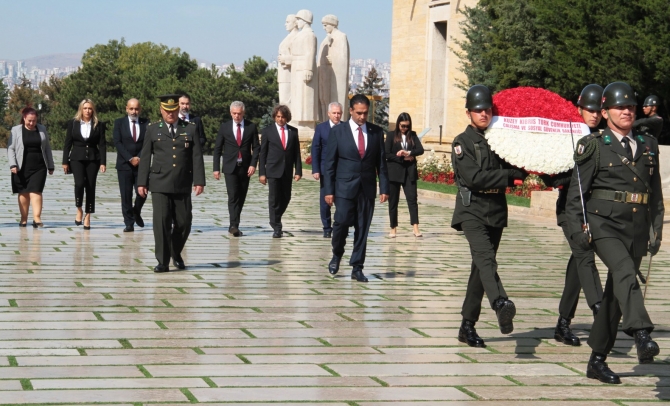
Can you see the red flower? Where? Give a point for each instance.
(308, 161)
(534, 102)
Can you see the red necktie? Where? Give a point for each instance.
(239, 140)
(283, 137)
(134, 132)
(361, 142)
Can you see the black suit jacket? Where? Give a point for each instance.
(275, 160)
(126, 148)
(397, 166)
(346, 173)
(226, 147)
(76, 148)
(199, 128)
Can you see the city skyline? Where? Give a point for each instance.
(221, 32)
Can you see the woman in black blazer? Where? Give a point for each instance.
(402, 147)
(84, 154)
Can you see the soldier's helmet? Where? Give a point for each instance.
(618, 94)
(651, 100)
(591, 97)
(478, 98)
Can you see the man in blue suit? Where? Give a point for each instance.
(354, 158)
(319, 144)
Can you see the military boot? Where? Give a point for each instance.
(598, 369)
(505, 311)
(647, 349)
(468, 334)
(595, 309)
(563, 333)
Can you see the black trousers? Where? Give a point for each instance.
(622, 296)
(324, 208)
(128, 182)
(484, 242)
(409, 186)
(237, 185)
(172, 224)
(279, 197)
(85, 175)
(581, 273)
(353, 212)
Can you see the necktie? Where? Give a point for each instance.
(361, 142)
(283, 137)
(171, 131)
(239, 141)
(626, 145)
(134, 132)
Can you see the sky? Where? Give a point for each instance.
(216, 31)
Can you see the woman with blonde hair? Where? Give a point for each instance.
(84, 154)
(29, 155)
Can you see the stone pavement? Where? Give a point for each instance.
(84, 320)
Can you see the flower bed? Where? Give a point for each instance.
(438, 169)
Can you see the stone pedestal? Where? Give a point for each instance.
(543, 203)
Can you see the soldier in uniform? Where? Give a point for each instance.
(581, 272)
(177, 165)
(653, 124)
(481, 213)
(624, 210)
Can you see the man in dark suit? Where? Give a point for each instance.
(354, 159)
(280, 152)
(319, 144)
(128, 138)
(185, 115)
(177, 165)
(238, 143)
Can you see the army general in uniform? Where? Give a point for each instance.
(481, 213)
(623, 200)
(172, 163)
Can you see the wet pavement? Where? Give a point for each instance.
(84, 320)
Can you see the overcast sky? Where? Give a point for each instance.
(218, 31)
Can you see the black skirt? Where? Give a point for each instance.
(33, 175)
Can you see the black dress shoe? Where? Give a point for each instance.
(468, 334)
(178, 262)
(327, 234)
(161, 268)
(129, 229)
(505, 311)
(647, 348)
(334, 265)
(564, 334)
(235, 231)
(598, 369)
(357, 274)
(277, 234)
(138, 218)
(595, 309)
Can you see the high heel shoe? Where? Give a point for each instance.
(35, 224)
(87, 227)
(78, 222)
(23, 224)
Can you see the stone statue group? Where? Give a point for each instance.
(307, 84)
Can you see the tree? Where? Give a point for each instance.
(21, 96)
(4, 97)
(373, 85)
(256, 86)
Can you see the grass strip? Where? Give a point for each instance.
(379, 381)
(12, 361)
(144, 371)
(247, 332)
(26, 384)
(453, 190)
(243, 358)
(209, 382)
(330, 371)
(125, 343)
(188, 395)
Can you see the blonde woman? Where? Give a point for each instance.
(29, 156)
(84, 154)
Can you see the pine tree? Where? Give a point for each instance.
(373, 85)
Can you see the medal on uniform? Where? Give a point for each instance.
(458, 150)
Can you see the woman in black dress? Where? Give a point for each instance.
(84, 154)
(402, 147)
(29, 155)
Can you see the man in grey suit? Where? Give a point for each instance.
(177, 165)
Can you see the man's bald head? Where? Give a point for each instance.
(133, 108)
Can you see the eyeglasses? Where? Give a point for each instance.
(404, 126)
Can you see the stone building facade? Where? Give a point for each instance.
(424, 69)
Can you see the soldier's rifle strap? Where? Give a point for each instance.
(637, 173)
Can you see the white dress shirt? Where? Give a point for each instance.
(631, 140)
(85, 129)
(137, 127)
(332, 124)
(185, 117)
(403, 143)
(354, 129)
(285, 133)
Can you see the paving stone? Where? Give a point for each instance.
(448, 369)
(575, 392)
(118, 383)
(294, 381)
(45, 397)
(236, 370)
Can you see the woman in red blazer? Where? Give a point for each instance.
(84, 154)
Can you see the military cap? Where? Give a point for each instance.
(618, 94)
(591, 97)
(169, 102)
(651, 100)
(478, 97)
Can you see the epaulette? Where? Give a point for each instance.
(586, 147)
(191, 122)
(155, 122)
